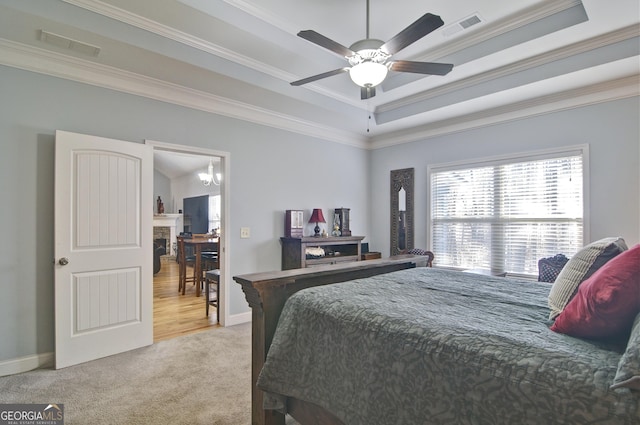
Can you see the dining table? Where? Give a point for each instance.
(200, 245)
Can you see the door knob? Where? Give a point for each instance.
(63, 261)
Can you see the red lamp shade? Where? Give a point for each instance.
(316, 216)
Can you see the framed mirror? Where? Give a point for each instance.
(401, 210)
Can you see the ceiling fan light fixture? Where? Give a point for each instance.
(368, 74)
(369, 58)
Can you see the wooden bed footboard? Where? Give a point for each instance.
(267, 293)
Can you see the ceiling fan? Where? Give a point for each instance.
(370, 59)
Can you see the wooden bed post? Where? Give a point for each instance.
(260, 416)
(262, 329)
(267, 293)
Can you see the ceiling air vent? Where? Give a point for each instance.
(469, 21)
(67, 43)
(461, 25)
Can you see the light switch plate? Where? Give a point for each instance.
(245, 232)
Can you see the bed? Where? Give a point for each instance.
(389, 343)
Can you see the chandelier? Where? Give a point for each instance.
(210, 177)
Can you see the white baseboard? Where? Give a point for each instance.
(27, 363)
(238, 319)
(24, 364)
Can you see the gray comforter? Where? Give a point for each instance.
(428, 346)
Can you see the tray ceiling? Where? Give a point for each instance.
(237, 57)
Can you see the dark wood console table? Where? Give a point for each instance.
(337, 249)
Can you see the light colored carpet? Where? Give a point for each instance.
(204, 378)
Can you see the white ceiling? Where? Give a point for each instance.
(237, 58)
(176, 164)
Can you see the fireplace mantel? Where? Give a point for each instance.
(165, 220)
(170, 221)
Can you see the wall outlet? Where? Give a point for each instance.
(245, 232)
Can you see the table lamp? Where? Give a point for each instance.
(317, 217)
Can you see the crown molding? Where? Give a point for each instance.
(137, 21)
(522, 65)
(607, 91)
(264, 14)
(532, 14)
(29, 58)
(42, 61)
(168, 32)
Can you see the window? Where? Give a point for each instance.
(506, 214)
(214, 213)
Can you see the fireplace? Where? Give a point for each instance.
(161, 242)
(164, 227)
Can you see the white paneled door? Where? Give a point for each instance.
(103, 247)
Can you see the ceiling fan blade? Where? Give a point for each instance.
(367, 92)
(414, 32)
(325, 42)
(320, 76)
(431, 68)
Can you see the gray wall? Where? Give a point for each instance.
(271, 171)
(162, 188)
(610, 129)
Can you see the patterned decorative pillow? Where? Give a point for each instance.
(579, 268)
(549, 268)
(628, 374)
(607, 303)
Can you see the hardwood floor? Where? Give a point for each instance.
(175, 314)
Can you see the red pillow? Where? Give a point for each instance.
(607, 302)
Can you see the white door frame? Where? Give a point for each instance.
(225, 184)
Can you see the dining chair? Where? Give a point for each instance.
(212, 295)
(420, 251)
(184, 260)
(209, 258)
(208, 261)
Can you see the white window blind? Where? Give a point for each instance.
(505, 215)
(214, 212)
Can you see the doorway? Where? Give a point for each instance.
(176, 314)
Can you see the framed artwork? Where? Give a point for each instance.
(401, 210)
